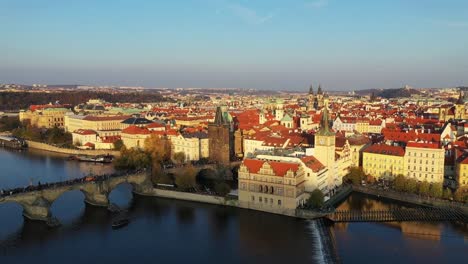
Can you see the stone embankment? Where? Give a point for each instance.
(218, 200)
(47, 147)
(193, 197)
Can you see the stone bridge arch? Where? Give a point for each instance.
(36, 204)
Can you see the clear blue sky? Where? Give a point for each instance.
(265, 44)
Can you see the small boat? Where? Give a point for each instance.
(120, 223)
(97, 159)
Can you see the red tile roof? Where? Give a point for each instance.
(279, 168)
(106, 118)
(385, 150)
(313, 163)
(134, 130)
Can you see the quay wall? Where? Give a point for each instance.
(193, 197)
(217, 200)
(47, 147)
(411, 198)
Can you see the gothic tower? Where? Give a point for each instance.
(221, 137)
(311, 99)
(325, 142)
(319, 97)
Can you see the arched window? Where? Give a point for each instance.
(260, 188)
(271, 190)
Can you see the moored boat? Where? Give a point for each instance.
(120, 223)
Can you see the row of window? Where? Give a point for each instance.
(265, 200)
(414, 154)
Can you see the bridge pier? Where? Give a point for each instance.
(97, 199)
(38, 210)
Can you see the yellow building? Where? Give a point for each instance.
(104, 125)
(272, 186)
(424, 161)
(383, 161)
(47, 117)
(195, 145)
(362, 125)
(134, 137)
(461, 172)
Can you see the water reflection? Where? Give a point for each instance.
(22, 168)
(397, 241)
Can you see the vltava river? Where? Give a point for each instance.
(169, 231)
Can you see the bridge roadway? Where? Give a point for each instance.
(37, 200)
(398, 215)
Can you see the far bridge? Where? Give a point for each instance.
(398, 215)
(37, 200)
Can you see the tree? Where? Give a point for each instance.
(179, 157)
(461, 195)
(411, 186)
(316, 199)
(354, 176)
(222, 188)
(118, 144)
(159, 148)
(436, 190)
(132, 159)
(186, 178)
(447, 194)
(423, 188)
(399, 183)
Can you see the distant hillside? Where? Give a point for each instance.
(390, 93)
(399, 92)
(368, 92)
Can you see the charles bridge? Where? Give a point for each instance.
(36, 201)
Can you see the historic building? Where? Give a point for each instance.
(273, 186)
(383, 161)
(47, 116)
(221, 137)
(424, 161)
(193, 145)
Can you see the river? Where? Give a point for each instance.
(169, 231)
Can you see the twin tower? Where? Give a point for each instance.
(315, 101)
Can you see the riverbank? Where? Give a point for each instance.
(231, 202)
(50, 148)
(410, 198)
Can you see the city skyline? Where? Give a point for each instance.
(239, 44)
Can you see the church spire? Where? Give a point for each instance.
(319, 91)
(460, 98)
(311, 89)
(219, 120)
(325, 124)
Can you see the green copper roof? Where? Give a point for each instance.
(325, 124)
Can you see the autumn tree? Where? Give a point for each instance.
(355, 176)
(411, 186)
(399, 182)
(447, 194)
(186, 178)
(158, 148)
(423, 188)
(132, 159)
(435, 190)
(179, 157)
